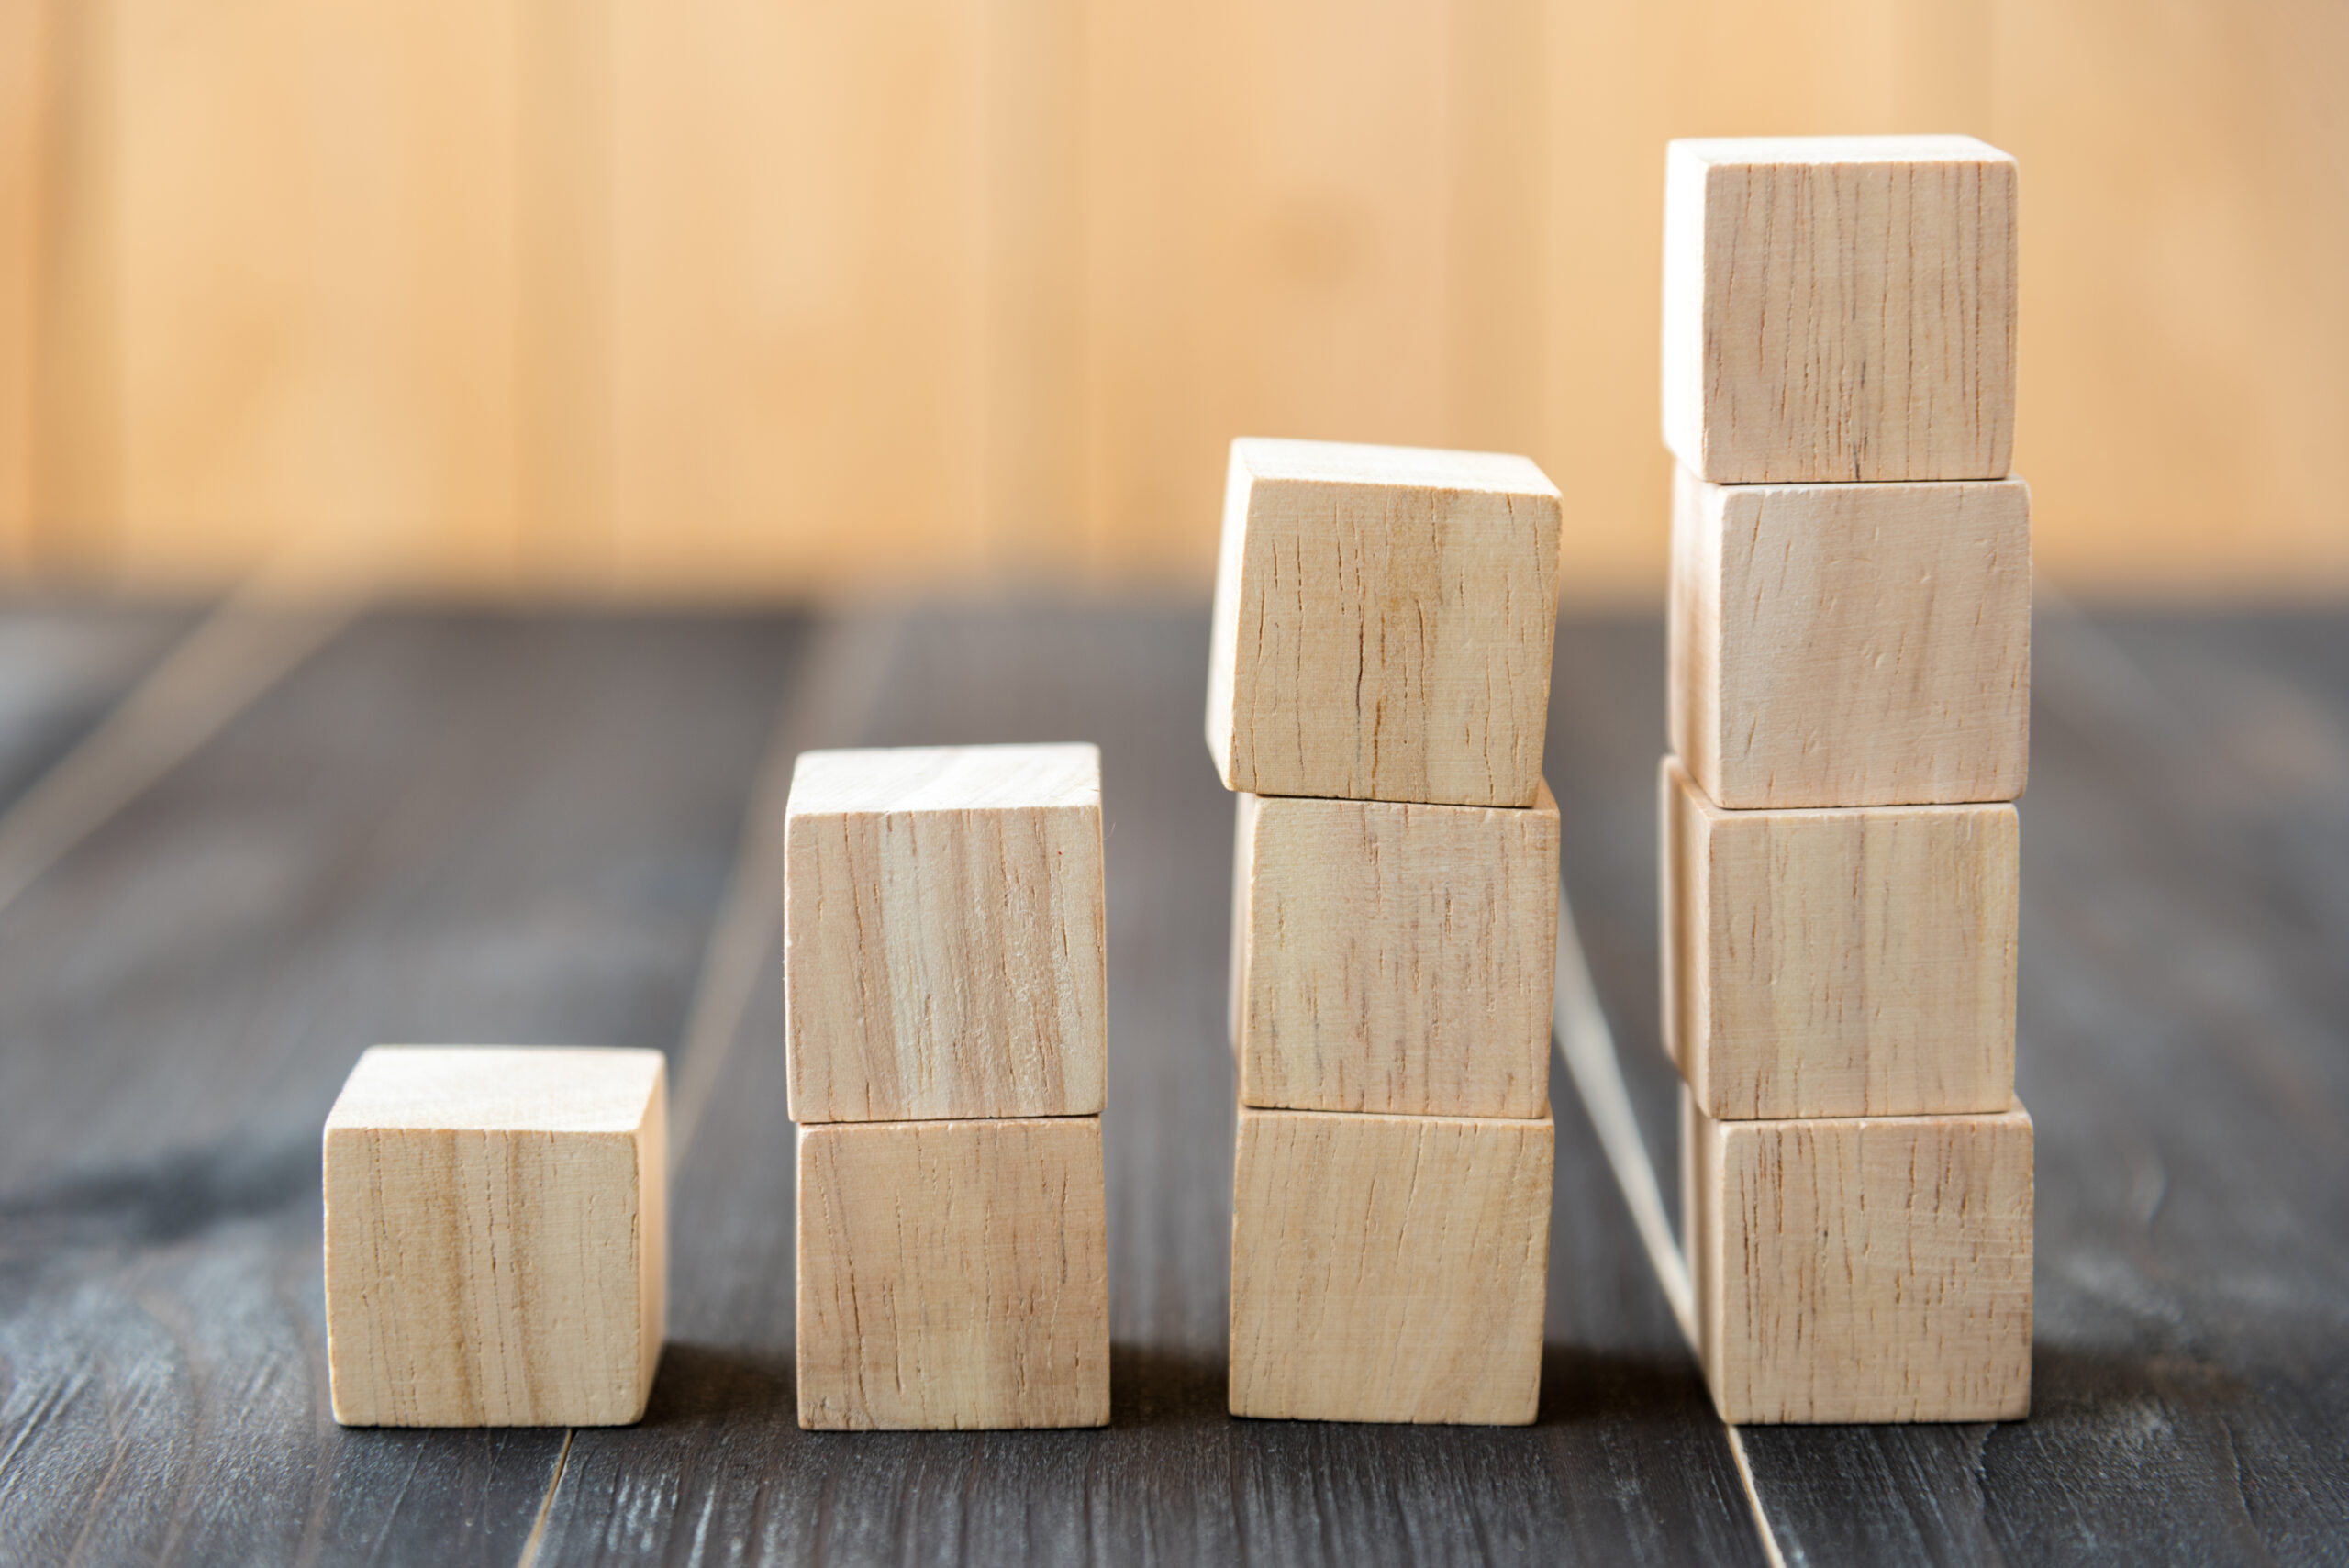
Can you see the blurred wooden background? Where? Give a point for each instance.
(730, 298)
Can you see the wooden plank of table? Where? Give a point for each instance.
(455, 828)
(2183, 1008)
(1624, 1463)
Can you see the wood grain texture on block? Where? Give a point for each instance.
(496, 1236)
(953, 1274)
(1383, 622)
(1838, 308)
(1389, 1268)
(1862, 1269)
(1395, 958)
(1834, 964)
(943, 946)
(1850, 644)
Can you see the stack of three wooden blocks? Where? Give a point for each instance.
(1378, 695)
(1850, 627)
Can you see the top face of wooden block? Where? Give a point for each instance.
(945, 778)
(459, 1088)
(943, 934)
(1268, 460)
(1774, 150)
(1838, 308)
(1382, 623)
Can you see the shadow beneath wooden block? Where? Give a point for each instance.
(711, 1385)
(1150, 1387)
(2157, 1442)
(1582, 1386)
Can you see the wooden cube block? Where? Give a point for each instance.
(1864, 1269)
(1839, 308)
(1838, 963)
(1389, 1268)
(953, 1274)
(497, 1237)
(1850, 644)
(1395, 958)
(943, 934)
(1383, 622)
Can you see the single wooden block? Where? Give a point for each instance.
(497, 1237)
(1850, 644)
(1861, 1269)
(1838, 963)
(1395, 958)
(1389, 1268)
(943, 934)
(953, 1274)
(1383, 622)
(1839, 308)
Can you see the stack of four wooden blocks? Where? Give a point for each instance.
(1850, 625)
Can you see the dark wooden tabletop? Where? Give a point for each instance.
(486, 827)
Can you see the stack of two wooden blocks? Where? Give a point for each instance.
(1850, 671)
(1378, 693)
(946, 989)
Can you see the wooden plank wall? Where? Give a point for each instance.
(738, 299)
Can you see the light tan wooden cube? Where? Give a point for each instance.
(953, 1274)
(1839, 308)
(497, 1237)
(1382, 623)
(1389, 1268)
(1395, 958)
(1836, 963)
(1850, 644)
(944, 952)
(1861, 1269)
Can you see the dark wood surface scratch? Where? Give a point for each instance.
(479, 826)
